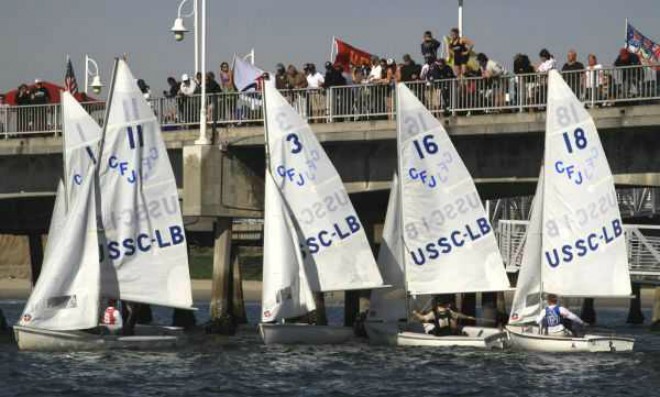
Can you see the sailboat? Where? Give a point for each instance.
(65, 298)
(314, 240)
(123, 217)
(437, 237)
(574, 246)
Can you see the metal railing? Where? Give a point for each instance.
(643, 242)
(464, 96)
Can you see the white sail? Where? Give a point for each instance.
(285, 291)
(389, 304)
(527, 299)
(449, 242)
(143, 238)
(584, 248)
(333, 235)
(56, 220)
(81, 139)
(66, 296)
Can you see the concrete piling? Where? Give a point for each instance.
(237, 303)
(635, 315)
(588, 312)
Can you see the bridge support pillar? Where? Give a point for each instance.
(655, 325)
(319, 315)
(222, 321)
(489, 308)
(237, 303)
(36, 255)
(469, 306)
(588, 312)
(635, 315)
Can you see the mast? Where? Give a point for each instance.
(400, 202)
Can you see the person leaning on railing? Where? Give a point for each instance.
(23, 116)
(630, 76)
(40, 96)
(495, 85)
(571, 72)
(334, 78)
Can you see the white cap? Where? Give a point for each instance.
(184, 77)
(37, 81)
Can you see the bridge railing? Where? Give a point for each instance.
(643, 242)
(512, 93)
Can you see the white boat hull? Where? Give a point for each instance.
(528, 338)
(294, 334)
(34, 339)
(475, 337)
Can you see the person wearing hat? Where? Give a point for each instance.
(187, 89)
(40, 96)
(441, 320)
(281, 82)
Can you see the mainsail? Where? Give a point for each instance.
(81, 140)
(527, 299)
(143, 237)
(57, 219)
(333, 235)
(583, 250)
(389, 304)
(285, 292)
(66, 296)
(450, 245)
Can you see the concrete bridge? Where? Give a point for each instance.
(224, 181)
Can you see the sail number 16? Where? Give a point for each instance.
(427, 146)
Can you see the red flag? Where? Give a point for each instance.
(347, 55)
(70, 83)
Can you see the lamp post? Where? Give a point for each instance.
(96, 79)
(460, 17)
(179, 31)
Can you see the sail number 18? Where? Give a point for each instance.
(578, 137)
(566, 115)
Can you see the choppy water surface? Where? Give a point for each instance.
(242, 366)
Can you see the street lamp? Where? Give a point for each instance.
(96, 79)
(179, 31)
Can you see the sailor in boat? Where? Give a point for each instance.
(112, 320)
(557, 320)
(441, 321)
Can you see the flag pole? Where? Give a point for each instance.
(332, 47)
(625, 32)
(460, 18)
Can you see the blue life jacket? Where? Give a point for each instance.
(552, 317)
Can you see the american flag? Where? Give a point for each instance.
(70, 83)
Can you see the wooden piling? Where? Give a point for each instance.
(220, 283)
(655, 324)
(237, 303)
(36, 255)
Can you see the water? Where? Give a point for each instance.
(242, 366)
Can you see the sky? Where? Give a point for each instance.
(37, 35)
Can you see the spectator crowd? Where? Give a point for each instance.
(459, 78)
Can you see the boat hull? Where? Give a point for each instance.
(519, 338)
(383, 333)
(306, 334)
(34, 339)
(475, 337)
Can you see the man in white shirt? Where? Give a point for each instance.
(593, 78)
(112, 319)
(376, 72)
(553, 318)
(316, 101)
(187, 106)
